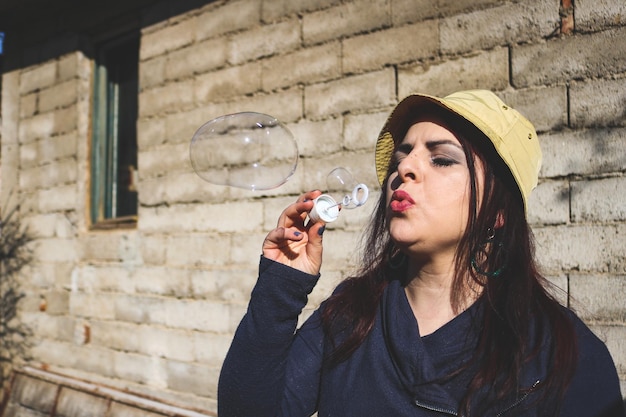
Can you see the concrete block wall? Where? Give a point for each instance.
(154, 308)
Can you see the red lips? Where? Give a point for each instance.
(400, 201)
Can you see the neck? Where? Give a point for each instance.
(429, 292)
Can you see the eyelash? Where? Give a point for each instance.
(438, 161)
(442, 161)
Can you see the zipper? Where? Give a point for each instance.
(435, 409)
(520, 400)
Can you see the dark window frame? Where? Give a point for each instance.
(113, 193)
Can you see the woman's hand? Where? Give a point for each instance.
(294, 244)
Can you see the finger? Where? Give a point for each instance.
(310, 195)
(283, 234)
(298, 211)
(314, 246)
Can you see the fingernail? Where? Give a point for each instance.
(297, 233)
(320, 231)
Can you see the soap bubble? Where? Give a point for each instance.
(342, 192)
(248, 150)
(345, 189)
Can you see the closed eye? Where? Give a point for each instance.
(441, 161)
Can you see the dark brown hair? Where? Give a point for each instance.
(518, 296)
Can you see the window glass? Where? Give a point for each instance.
(114, 146)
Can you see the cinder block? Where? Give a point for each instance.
(180, 127)
(162, 159)
(316, 138)
(71, 65)
(592, 15)
(192, 378)
(308, 65)
(187, 314)
(585, 248)
(152, 72)
(549, 203)
(374, 89)
(599, 297)
(179, 188)
(33, 393)
(169, 98)
(229, 17)
(138, 368)
(57, 302)
(598, 103)
(410, 11)
(361, 130)
(345, 19)
(341, 250)
(37, 127)
(247, 248)
(165, 343)
(499, 26)
(261, 41)
(150, 132)
(29, 154)
(545, 107)
(211, 348)
(66, 119)
(488, 70)
(116, 335)
(274, 10)
(558, 61)
(198, 249)
(220, 218)
(93, 305)
(28, 105)
(227, 285)
(583, 152)
(614, 336)
(134, 308)
(196, 59)
(227, 83)
(167, 38)
(38, 77)
(57, 147)
(117, 409)
(152, 248)
(391, 46)
(600, 200)
(58, 96)
(112, 246)
(56, 249)
(360, 166)
(164, 281)
(60, 198)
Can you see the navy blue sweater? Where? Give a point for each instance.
(273, 370)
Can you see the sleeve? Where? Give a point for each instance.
(595, 389)
(270, 370)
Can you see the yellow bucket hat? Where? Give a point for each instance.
(513, 136)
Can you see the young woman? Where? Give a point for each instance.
(449, 314)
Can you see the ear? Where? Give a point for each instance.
(499, 220)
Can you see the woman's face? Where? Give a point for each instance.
(428, 191)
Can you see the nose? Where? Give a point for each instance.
(409, 169)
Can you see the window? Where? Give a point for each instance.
(114, 142)
(1, 65)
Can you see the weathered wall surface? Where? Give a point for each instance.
(159, 303)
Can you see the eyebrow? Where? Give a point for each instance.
(432, 144)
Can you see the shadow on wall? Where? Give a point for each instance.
(14, 255)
